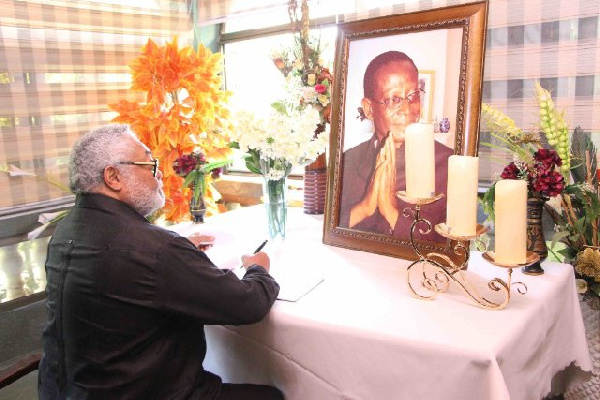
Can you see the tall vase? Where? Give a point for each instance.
(197, 206)
(274, 197)
(315, 186)
(536, 241)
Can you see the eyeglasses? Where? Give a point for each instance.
(154, 164)
(413, 97)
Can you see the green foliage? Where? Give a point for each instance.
(197, 176)
(280, 107)
(252, 160)
(488, 202)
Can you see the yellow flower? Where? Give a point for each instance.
(499, 122)
(588, 263)
(323, 99)
(554, 126)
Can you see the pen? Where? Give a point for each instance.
(259, 248)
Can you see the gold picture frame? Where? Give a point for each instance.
(458, 87)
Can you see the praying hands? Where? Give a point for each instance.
(380, 193)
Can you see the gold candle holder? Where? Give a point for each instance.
(445, 270)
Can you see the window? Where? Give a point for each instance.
(253, 78)
(62, 63)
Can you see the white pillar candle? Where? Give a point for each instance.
(419, 148)
(463, 178)
(510, 205)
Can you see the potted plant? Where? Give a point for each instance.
(572, 200)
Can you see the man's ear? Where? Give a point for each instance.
(367, 107)
(112, 178)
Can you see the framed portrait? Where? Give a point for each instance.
(391, 72)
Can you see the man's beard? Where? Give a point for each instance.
(143, 198)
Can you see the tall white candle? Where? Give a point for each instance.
(419, 148)
(510, 221)
(461, 212)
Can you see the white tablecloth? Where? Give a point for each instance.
(361, 335)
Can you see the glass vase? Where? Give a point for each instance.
(274, 197)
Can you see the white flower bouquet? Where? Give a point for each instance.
(273, 146)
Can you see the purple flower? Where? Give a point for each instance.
(216, 173)
(186, 163)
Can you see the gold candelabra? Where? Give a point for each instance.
(445, 270)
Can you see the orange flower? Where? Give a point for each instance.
(184, 105)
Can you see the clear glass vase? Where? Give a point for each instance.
(274, 197)
(275, 174)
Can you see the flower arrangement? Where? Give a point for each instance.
(195, 169)
(306, 85)
(185, 108)
(572, 189)
(271, 148)
(542, 174)
(308, 82)
(274, 145)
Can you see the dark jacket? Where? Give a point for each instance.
(359, 166)
(127, 304)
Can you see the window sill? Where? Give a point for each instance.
(246, 190)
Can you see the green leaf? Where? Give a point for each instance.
(208, 167)
(582, 144)
(234, 145)
(279, 106)
(252, 162)
(488, 202)
(191, 177)
(558, 237)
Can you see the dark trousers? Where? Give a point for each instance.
(231, 391)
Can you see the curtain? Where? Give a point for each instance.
(555, 42)
(61, 64)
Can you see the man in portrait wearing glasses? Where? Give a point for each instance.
(127, 301)
(374, 170)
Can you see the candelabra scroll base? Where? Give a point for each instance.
(437, 279)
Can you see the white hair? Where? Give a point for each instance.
(96, 150)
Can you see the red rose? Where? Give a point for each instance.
(319, 88)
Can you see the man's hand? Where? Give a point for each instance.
(261, 258)
(202, 242)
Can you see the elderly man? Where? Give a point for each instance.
(127, 300)
(374, 170)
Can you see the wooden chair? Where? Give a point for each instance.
(19, 369)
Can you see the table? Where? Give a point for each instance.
(361, 335)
